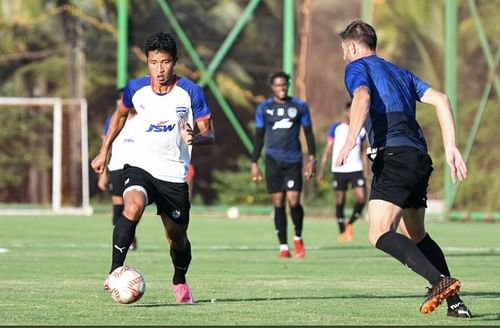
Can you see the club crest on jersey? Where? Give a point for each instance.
(161, 126)
(292, 112)
(181, 112)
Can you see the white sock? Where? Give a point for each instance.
(283, 247)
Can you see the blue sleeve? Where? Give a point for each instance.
(127, 95)
(106, 125)
(356, 76)
(305, 118)
(199, 103)
(420, 86)
(331, 130)
(260, 117)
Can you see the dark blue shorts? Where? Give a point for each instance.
(115, 184)
(341, 180)
(401, 176)
(283, 176)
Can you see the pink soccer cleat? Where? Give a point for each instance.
(182, 294)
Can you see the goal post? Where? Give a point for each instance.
(56, 204)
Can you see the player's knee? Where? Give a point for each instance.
(133, 210)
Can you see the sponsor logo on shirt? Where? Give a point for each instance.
(161, 127)
(284, 123)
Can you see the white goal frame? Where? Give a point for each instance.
(57, 129)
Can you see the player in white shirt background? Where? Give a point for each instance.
(353, 172)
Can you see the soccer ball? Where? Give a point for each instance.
(233, 213)
(126, 285)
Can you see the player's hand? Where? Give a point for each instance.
(320, 178)
(187, 133)
(256, 176)
(458, 169)
(102, 182)
(98, 164)
(344, 152)
(310, 169)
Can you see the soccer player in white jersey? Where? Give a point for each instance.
(111, 180)
(354, 171)
(166, 106)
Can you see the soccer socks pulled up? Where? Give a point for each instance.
(123, 235)
(407, 252)
(435, 255)
(280, 224)
(297, 213)
(356, 212)
(181, 260)
(339, 212)
(117, 212)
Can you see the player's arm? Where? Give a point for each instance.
(444, 114)
(258, 143)
(115, 126)
(359, 112)
(205, 136)
(327, 152)
(311, 149)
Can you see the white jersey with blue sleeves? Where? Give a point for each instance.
(158, 146)
(354, 163)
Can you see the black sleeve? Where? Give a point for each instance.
(258, 142)
(311, 143)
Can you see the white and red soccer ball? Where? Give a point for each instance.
(126, 285)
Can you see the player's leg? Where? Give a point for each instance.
(384, 217)
(359, 186)
(280, 222)
(172, 201)
(339, 185)
(297, 213)
(125, 226)
(412, 225)
(116, 188)
(276, 187)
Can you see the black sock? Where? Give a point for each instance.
(117, 212)
(435, 255)
(123, 235)
(181, 260)
(280, 224)
(339, 211)
(297, 213)
(356, 212)
(407, 252)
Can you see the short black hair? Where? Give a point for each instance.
(161, 41)
(361, 32)
(276, 75)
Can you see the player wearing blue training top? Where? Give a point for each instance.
(384, 100)
(280, 118)
(158, 161)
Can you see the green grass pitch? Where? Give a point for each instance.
(52, 270)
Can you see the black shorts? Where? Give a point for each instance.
(341, 180)
(171, 198)
(115, 185)
(282, 176)
(401, 176)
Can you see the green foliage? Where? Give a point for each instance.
(236, 187)
(26, 142)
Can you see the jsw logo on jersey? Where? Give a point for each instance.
(284, 123)
(161, 127)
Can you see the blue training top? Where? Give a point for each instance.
(393, 93)
(282, 124)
